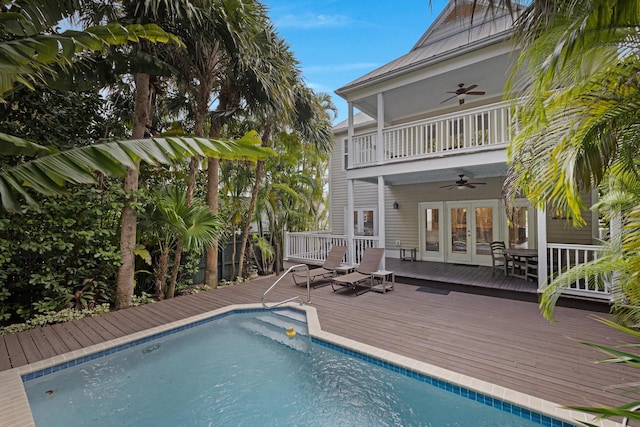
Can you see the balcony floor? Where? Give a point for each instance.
(477, 279)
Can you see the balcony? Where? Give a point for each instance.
(484, 128)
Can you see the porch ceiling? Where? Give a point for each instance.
(446, 176)
(426, 94)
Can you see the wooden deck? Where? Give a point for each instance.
(498, 340)
(474, 277)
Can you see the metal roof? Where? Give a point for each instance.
(458, 26)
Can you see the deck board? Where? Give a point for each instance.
(499, 340)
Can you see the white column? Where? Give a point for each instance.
(350, 150)
(350, 230)
(542, 248)
(379, 138)
(381, 218)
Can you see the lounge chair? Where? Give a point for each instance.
(364, 273)
(328, 269)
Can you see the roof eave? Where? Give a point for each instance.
(488, 41)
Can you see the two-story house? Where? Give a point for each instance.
(420, 167)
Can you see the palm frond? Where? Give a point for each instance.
(49, 174)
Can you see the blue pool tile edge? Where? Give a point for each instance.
(517, 410)
(101, 353)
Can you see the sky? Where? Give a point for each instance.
(337, 41)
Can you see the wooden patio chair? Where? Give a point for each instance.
(499, 258)
(334, 258)
(368, 265)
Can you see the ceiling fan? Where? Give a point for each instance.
(463, 183)
(462, 92)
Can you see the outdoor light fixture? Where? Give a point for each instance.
(396, 205)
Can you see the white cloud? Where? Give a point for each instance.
(319, 87)
(311, 20)
(341, 67)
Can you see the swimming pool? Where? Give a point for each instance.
(389, 387)
(243, 370)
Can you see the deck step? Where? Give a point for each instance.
(292, 314)
(284, 323)
(275, 329)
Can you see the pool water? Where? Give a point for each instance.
(241, 370)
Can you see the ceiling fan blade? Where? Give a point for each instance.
(448, 99)
(478, 183)
(449, 186)
(469, 185)
(470, 88)
(477, 92)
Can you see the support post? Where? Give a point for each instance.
(379, 135)
(350, 230)
(350, 147)
(381, 218)
(542, 248)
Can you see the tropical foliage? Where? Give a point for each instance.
(53, 165)
(577, 75)
(579, 122)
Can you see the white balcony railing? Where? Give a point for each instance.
(313, 247)
(487, 126)
(561, 257)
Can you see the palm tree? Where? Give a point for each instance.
(141, 12)
(276, 93)
(579, 121)
(178, 223)
(579, 130)
(32, 50)
(221, 34)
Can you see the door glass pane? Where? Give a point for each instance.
(357, 230)
(484, 230)
(458, 230)
(432, 229)
(367, 223)
(519, 228)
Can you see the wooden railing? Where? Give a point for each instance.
(313, 247)
(561, 257)
(478, 128)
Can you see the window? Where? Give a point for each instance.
(345, 154)
(365, 222)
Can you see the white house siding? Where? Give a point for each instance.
(366, 195)
(402, 223)
(560, 230)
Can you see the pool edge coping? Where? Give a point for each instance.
(15, 409)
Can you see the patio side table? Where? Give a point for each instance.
(345, 269)
(410, 257)
(386, 281)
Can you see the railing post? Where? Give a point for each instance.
(542, 248)
(287, 246)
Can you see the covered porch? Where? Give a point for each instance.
(312, 248)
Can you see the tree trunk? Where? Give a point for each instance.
(254, 196)
(211, 257)
(171, 290)
(160, 272)
(126, 271)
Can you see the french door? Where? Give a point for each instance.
(432, 224)
(472, 226)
